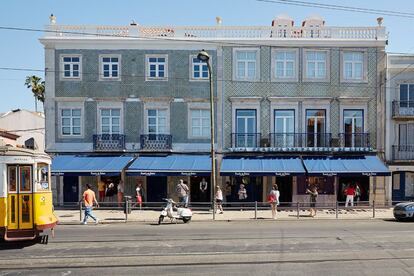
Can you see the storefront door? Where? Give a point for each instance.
(284, 184)
(70, 189)
(196, 194)
(156, 188)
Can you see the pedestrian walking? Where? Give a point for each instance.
(120, 189)
(242, 195)
(182, 192)
(350, 193)
(139, 191)
(274, 199)
(203, 190)
(101, 190)
(313, 195)
(219, 199)
(357, 193)
(88, 200)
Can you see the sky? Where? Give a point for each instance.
(23, 49)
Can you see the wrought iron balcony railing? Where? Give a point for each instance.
(403, 152)
(245, 140)
(403, 109)
(108, 142)
(354, 140)
(291, 139)
(156, 142)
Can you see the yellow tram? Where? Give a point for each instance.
(26, 207)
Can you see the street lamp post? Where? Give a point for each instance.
(205, 57)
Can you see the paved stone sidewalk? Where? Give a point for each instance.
(147, 216)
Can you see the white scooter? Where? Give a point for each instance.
(182, 213)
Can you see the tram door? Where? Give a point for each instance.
(20, 197)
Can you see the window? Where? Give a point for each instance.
(406, 134)
(157, 121)
(25, 178)
(110, 121)
(409, 184)
(285, 64)
(315, 124)
(284, 128)
(110, 67)
(354, 128)
(200, 123)
(407, 96)
(246, 135)
(246, 64)
(12, 178)
(157, 67)
(353, 65)
(71, 67)
(324, 184)
(316, 64)
(199, 69)
(71, 121)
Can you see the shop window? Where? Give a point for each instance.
(409, 184)
(324, 184)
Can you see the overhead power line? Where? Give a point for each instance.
(341, 8)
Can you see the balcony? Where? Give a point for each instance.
(298, 140)
(403, 109)
(354, 140)
(403, 152)
(109, 142)
(245, 140)
(156, 142)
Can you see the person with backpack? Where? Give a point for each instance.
(182, 192)
(274, 199)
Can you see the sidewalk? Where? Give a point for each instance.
(146, 216)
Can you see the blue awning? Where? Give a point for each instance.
(362, 165)
(262, 166)
(171, 165)
(89, 165)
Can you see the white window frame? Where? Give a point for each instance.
(364, 67)
(295, 77)
(305, 66)
(62, 67)
(157, 105)
(101, 65)
(71, 105)
(147, 67)
(191, 62)
(110, 105)
(257, 64)
(198, 106)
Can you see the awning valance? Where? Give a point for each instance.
(171, 165)
(262, 166)
(89, 165)
(360, 165)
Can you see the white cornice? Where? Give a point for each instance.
(296, 99)
(245, 99)
(353, 99)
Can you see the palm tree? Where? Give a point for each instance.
(38, 88)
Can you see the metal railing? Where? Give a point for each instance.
(108, 142)
(245, 140)
(354, 140)
(156, 142)
(260, 210)
(312, 140)
(403, 152)
(403, 108)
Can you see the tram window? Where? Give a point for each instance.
(43, 176)
(12, 175)
(25, 179)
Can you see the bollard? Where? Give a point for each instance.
(373, 209)
(336, 209)
(80, 210)
(127, 207)
(255, 210)
(297, 209)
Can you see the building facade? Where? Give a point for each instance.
(400, 125)
(288, 97)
